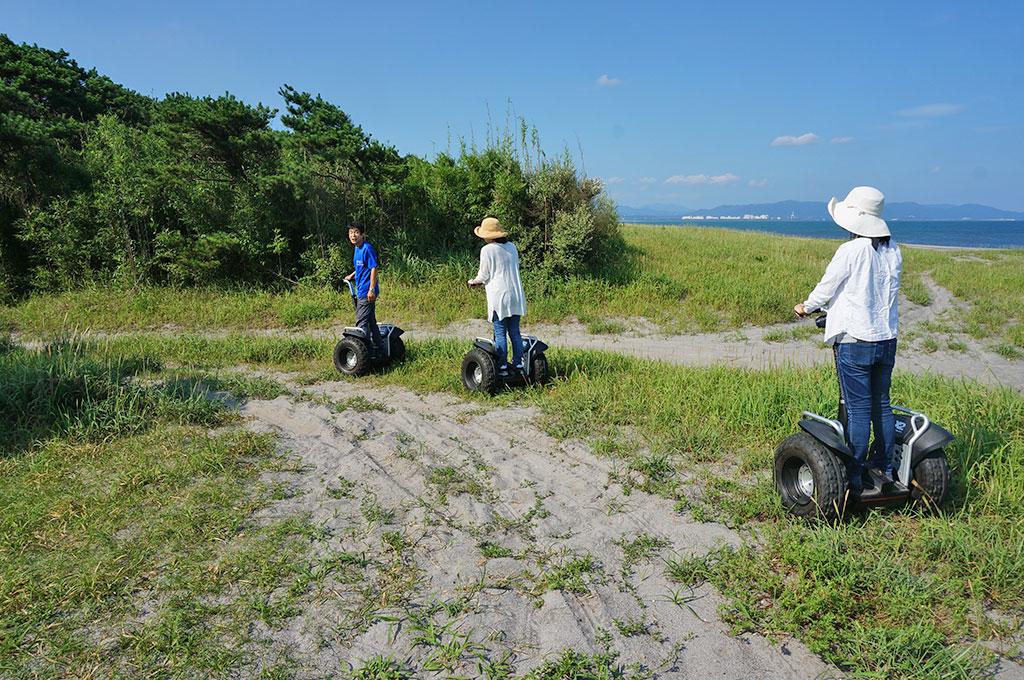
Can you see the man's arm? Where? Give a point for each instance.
(371, 294)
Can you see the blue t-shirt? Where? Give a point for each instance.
(364, 258)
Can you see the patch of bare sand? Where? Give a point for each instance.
(439, 478)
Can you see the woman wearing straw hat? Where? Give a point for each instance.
(860, 290)
(506, 302)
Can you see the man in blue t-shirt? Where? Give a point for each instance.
(364, 260)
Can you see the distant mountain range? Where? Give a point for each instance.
(816, 210)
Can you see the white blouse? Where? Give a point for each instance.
(860, 290)
(499, 272)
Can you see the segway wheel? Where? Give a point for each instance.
(479, 372)
(810, 479)
(352, 357)
(397, 348)
(539, 374)
(930, 481)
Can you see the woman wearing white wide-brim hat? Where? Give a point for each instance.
(860, 290)
(506, 301)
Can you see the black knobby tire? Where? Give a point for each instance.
(479, 371)
(397, 351)
(352, 357)
(539, 374)
(930, 481)
(810, 478)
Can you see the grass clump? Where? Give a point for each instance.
(379, 668)
(573, 575)
(62, 391)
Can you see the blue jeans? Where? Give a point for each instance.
(865, 374)
(509, 325)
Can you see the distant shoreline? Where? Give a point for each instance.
(949, 234)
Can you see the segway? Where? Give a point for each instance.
(480, 366)
(811, 472)
(355, 355)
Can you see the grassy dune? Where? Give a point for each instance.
(682, 279)
(855, 592)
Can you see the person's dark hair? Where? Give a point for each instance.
(503, 239)
(876, 241)
(358, 226)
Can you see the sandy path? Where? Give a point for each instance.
(360, 475)
(747, 347)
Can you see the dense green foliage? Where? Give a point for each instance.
(101, 184)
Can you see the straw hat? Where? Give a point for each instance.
(860, 212)
(490, 228)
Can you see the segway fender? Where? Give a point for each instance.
(538, 347)
(826, 435)
(935, 437)
(486, 345)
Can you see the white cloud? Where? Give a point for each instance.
(842, 140)
(726, 178)
(605, 81)
(789, 140)
(936, 169)
(758, 182)
(932, 110)
(648, 180)
(614, 180)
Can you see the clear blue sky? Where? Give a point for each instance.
(687, 103)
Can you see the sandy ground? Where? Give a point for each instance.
(747, 347)
(360, 475)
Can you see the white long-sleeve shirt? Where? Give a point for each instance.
(860, 290)
(499, 272)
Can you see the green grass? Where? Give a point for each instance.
(680, 278)
(125, 534)
(855, 592)
(721, 425)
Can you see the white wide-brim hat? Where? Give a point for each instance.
(860, 212)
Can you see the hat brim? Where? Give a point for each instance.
(489, 234)
(856, 221)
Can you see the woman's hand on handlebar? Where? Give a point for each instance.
(800, 310)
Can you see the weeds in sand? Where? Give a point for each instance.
(797, 333)
(492, 550)
(640, 549)
(360, 404)
(603, 326)
(380, 668)
(1005, 349)
(631, 627)
(373, 512)
(574, 664)
(344, 488)
(447, 480)
(574, 575)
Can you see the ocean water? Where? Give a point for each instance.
(952, 233)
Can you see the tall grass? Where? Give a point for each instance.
(682, 279)
(61, 391)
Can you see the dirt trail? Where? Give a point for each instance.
(450, 476)
(749, 348)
